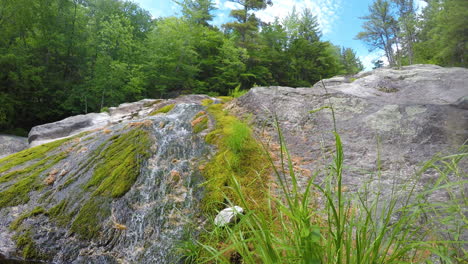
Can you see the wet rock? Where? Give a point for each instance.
(77, 220)
(10, 144)
(228, 216)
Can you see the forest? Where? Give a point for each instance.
(65, 57)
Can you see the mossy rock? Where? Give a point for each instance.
(162, 110)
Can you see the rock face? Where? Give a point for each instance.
(404, 116)
(122, 190)
(11, 144)
(123, 186)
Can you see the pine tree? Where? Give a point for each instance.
(380, 29)
(198, 11)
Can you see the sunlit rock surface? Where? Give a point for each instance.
(390, 120)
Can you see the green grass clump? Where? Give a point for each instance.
(87, 223)
(240, 157)
(118, 164)
(237, 92)
(351, 227)
(19, 220)
(163, 110)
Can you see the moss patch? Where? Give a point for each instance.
(18, 221)
(25, 243)
(199, 122)
(162, 110)
(206, 102)
(225, 99)
(59, 214)
(239, 157)
(118, 164)
(37, 153)
(87, 223)
(27, 181)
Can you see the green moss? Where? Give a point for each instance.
(59, 214)
(225, 99)
(206, 102)
(25, 243)
(19, 220)
(28, 180)
(87, 223)
(387, 89)
(200, 124)
(118, 164)
(239, 157)
(163, 110)
(36, 153)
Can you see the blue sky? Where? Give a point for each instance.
(338, 19)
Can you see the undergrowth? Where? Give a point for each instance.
(238, 154)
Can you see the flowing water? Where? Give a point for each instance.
(162, 203)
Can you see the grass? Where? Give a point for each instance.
(238, 154)
(362, 227)
(237, 92)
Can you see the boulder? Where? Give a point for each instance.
(401, 116)
(228, 216)
(124, 112)
(10, 144)
(67, 127)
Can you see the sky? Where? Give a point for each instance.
(339, 19)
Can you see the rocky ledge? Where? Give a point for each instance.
(125, 186)
(390, 121)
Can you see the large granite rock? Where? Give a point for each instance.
(404, 116)
(81, 123)
(11, 144)
(126, 191)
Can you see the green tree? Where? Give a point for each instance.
(407, 22)
(443, 38)
(246, 24)
(351, 63)
(197, 11)
(379, 29)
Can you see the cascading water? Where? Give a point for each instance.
(146, 224)
(160, 210)
(163, 200)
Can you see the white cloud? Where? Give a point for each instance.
(420, 4)
(368, 59)
(231, 5)
(327, 11)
